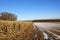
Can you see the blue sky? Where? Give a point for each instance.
(32, 9)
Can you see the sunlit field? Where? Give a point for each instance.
(20, 30)
(13, 30)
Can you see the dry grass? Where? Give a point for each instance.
(13, 30)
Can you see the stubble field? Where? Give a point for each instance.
(13, 30)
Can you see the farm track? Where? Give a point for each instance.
(53, 29)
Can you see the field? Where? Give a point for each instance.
(20, 30)
(13, 30)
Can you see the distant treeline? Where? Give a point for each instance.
(47, 20)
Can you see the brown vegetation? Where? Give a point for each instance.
(12, 30)
(7, 16)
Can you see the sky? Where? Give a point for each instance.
(32, 9)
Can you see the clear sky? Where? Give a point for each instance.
(32, 9)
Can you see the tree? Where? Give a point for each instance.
(7, 16)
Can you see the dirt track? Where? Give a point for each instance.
(53, 29)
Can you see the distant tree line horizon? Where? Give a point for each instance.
(8, 16)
